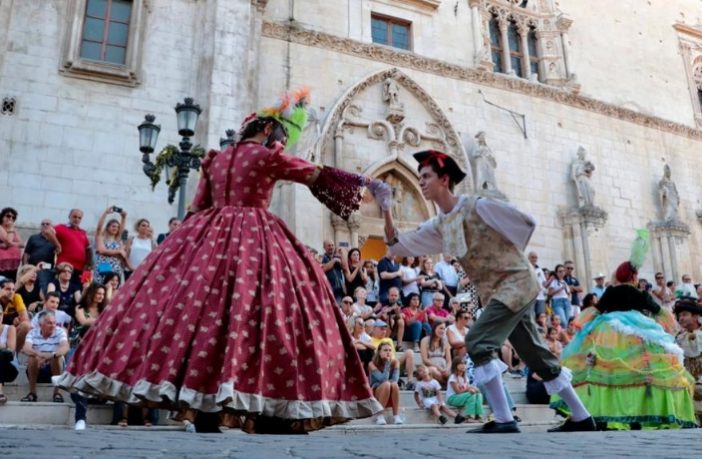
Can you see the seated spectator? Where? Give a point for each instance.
(430, 283)
(10, 244)
(427, 395)
(541, 323)
(91, 306)
(369, 325)
(46, 347)
(510, 357)
(406, 358)
(590, 300)
(173, 225)
(360, 308)
(51, 303)
(436, 312)
(68, 291)
(436, 353)
(391, 313)
(40, 251)
(569, 333)
(457, 332)
(347, 312)
(8, 363)
(15, 313)
(460, 394)
(362, 342)
(384, 375)
(110, 253)
(415, 321)
(560, 331)
(27, 287)
(535, 389)
(554, 345)
(112, 284)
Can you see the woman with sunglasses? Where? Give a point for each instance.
(10, 244)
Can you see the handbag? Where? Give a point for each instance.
(104, 267)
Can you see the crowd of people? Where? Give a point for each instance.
(54, 286)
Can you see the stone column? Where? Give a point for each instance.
(673, 257)
(563, 25)
(523, 30)
(338, 144)
(340, 228)
(506, 60)
(586, 255)
(657, 254)
(354, 225)
(475, 17)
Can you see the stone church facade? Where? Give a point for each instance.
(570, 110)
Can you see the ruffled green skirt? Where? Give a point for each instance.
(628, 371)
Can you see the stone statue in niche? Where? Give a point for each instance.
(581, 172)
(391, 96)
(668, 196)
(485, 165)
(398, 196)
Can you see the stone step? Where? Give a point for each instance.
(50, 413)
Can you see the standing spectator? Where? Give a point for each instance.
(575, 289)
(464, 284)
(384, 375)
(687, 288)
(410, 276)
(110, 254)
(354, 272)
(430, 283)
(449, 277)
(74, 244)
(540, 305)
(140, 246)
(600, 286)
(427, 395)
(333, 268)
(173, 225)
(27, 287)
(436, 352)
(460, 394)
(8, 364)
(390, 276)
(68, 290)
(661, 293)
(46, 347)
(10, 244)
(372, 284)
(415, 321)
(40, 251)
(14, 311)
(558, 291)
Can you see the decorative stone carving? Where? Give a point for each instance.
(484, 165)
(668, 196)
(580, 172)
(565, 96)
(391, 96)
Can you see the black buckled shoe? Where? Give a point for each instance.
(586, 425)
(497, 427)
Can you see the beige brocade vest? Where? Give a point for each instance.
(497, 268)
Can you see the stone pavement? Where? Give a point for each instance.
(107, 443)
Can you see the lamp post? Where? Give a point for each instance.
(181, 157)
(225, 142)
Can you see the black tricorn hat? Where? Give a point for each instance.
(688, 304)
(445, 162)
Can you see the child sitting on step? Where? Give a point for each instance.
(427, 394)
(460, 394)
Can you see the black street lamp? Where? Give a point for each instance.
(182, 159)
(230, 138)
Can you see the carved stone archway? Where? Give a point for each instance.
(374, 128)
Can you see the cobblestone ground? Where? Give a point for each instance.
(98, 443)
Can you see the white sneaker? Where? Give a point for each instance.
(398, 420)
(189, 427)
(80, 425)
(380, 420)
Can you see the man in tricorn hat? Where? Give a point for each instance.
(688, 313)
(488, 238)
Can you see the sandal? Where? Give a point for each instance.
(123, 422)
(31, 397)
(148, 424)
(3, 399)
(58, 398)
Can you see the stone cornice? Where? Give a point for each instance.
(379, 53)
(688, 30)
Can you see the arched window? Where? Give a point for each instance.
(516, 55)
(495, 45)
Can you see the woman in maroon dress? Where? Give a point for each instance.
(231, 314)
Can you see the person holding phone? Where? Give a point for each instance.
(110, 253)
(40, 251)
(558, 291)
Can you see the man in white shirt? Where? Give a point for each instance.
(51, 303)
(449, 276)
(540, 305)
(600, 286)
(46, 347)
(662, 294)
(687, 288)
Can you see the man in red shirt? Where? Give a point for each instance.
(73, 245)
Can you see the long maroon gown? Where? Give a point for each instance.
(231, 312)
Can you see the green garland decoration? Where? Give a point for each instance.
(163, 158)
